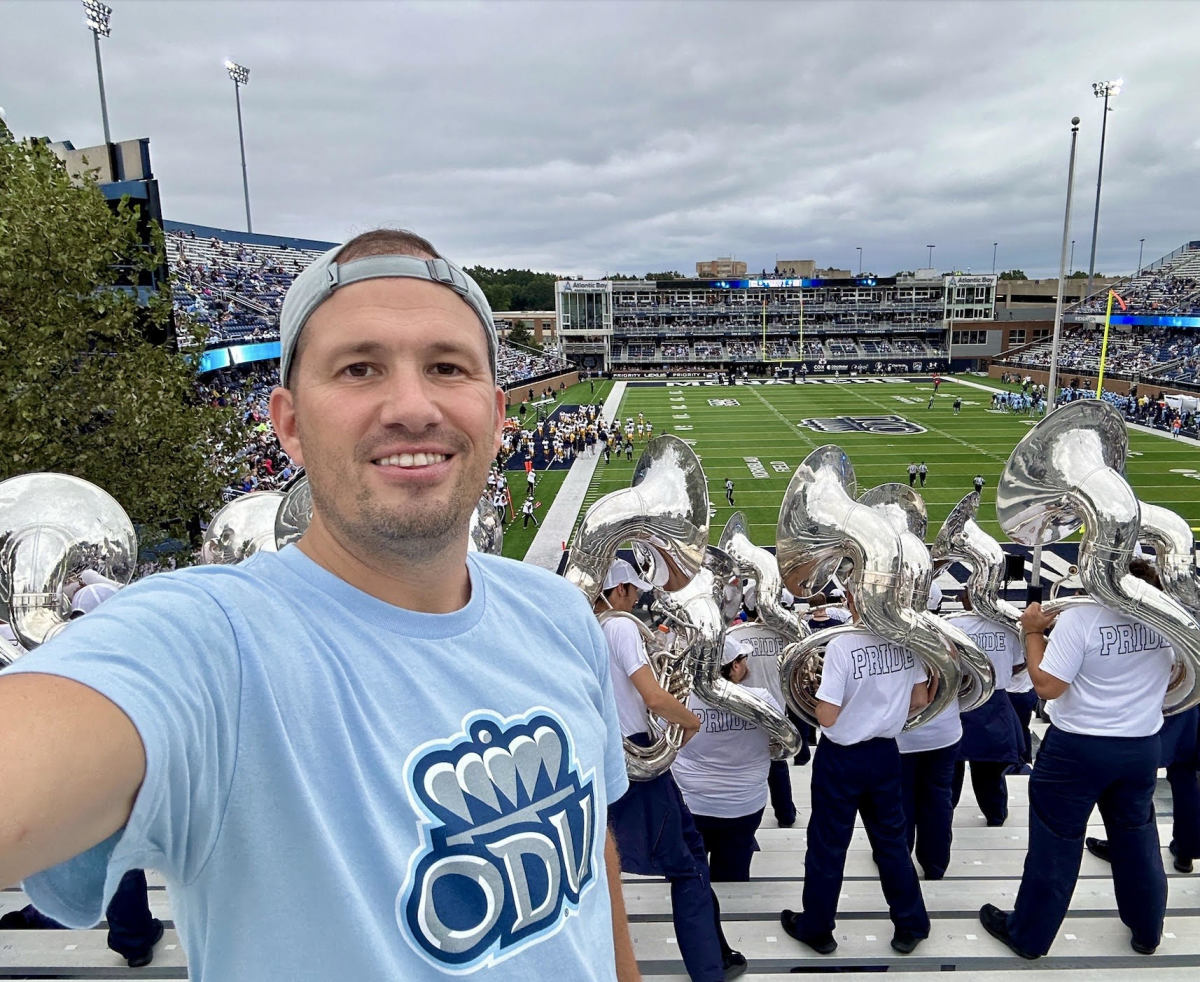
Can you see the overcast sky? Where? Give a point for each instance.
(586, 138)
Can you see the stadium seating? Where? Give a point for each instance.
(1168, 287)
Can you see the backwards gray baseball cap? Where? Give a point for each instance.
(316, 285)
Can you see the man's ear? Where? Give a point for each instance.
(283, 418)
(501, 408)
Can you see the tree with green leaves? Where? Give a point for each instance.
(84, 392)
(519, 333)
(1013, 274)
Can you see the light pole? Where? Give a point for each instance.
(859, 248)
(1052, 384)
(1101, 90)
(994, 245)
(929, 265)
(1071, 264)
(96, 15)
(1051, 387)
(1141, 243)
(241, 76)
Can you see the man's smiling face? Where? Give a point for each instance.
(394, 411)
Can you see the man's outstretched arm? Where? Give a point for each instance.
(71, 767)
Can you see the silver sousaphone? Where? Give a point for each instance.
(823, 530)
(905, 509)
(52, 527)
(668, 506)
(1066, 475)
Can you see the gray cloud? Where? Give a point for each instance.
(623, 136)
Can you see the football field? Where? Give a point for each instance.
(755, 435)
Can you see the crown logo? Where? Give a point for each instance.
(509, 843)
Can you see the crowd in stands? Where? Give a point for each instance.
(822, 354)
(264, 465)
(1170, 354)
(1172, 288)
(233, 289)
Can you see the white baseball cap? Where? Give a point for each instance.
(622, 572)
(90, 597)
(734, 649)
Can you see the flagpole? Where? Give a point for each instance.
(1035, 580)
(1104, 345)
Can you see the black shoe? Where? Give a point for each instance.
(144, 958)
(1098, 848)
(822, 944)
(786, 823)
(734, 965)
(1182, 865)
(906, 942)
(995, 922)
(1143, 949)
(14, 920)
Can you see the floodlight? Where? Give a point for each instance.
(96, 15)
(239, 73)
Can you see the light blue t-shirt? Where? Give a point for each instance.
(339, 789)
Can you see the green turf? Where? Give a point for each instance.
(765, 425)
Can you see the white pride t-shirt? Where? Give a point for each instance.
(944, 730)
(1002, 645)
(1117, 670)
(626, 654)
(871, 679)
(722, 770)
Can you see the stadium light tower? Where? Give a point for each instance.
(96, 15)
(1072, 263)
(929, 264)
(859, 248)
(1105, 91)
(1141, 244)
(241, 76)
(995, 246)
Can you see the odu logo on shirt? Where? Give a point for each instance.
(508, 841)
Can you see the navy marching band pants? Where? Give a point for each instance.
(1073, 773)
(927, 778)
(730, 845)
(656, 836)
(862, 778)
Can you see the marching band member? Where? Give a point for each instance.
(1179, 756)
(1106, 675)
(722, 773)
(992, 740)
(655, 833)
(928, 755)
(868, 687)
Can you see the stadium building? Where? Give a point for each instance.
(771, 325)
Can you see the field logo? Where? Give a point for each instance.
(756, 467)
(723, 402)
(508, 840)
(890, 424)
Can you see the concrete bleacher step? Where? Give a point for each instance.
(955, 944)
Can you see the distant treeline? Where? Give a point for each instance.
(523, 289)
(516, 289)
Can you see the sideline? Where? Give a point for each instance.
(1140, 427)
(547, 546)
